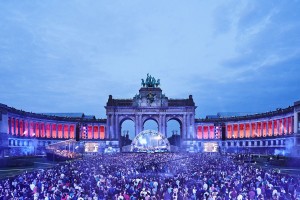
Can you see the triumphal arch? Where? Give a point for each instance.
(151, 103)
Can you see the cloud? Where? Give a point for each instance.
(71, 56)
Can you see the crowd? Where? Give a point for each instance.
(66, 153)
(167, 176)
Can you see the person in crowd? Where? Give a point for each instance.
(169, 176)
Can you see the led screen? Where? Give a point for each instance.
(91, 147)
(210, 147)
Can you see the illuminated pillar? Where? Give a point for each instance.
(18, 127)
(267, 128)
(93, 136)
(63, 131)
(272, 128)
(292, 126)
(232, 132)
(68, 131)
(14, 126)
(239, 130)
(99, 132)
(28, 129)
(55, 131)
(226, 132)
(286, 128)
(98, 125)
(50, 130)
(208, 132)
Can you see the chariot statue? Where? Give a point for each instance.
(150, 81)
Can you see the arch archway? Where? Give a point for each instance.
(150, 124)
(127, 131)
(174, 127)
(174, 131)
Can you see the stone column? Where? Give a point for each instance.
(50, 130)
(18, 131)
(184, 127)
(14, 126)
(232, 131)
(164, 123)
(29, 135)
(160, 124)
(188, 123)
(93, 133)
(105, 129)
(56, 131)
(9, 125)
(112, 128)
(272, 128)
(62, 130)
(68, 131)
(136, 124)
(239, 131)
(250, 126)
(293, 123)
(192, 124)
(108, 124)
(286, 125)
(116, 135)
(40, 133)
(267, 128)
(141, 125)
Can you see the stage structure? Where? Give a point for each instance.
(63, 150)
(278, 131)
(150, 141)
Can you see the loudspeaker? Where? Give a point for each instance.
(77, 132)
(223, 132)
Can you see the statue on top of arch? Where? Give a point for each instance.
(150, 81)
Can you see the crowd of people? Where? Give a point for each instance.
(66, 153)
(133, 176)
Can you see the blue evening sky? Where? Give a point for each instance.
(68, 56)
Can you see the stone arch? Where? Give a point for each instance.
(132, 129)
(150, 118)
(179, 119)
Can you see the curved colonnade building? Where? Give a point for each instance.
(276, 132)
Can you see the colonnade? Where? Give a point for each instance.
(51, 129)
(249, 129)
